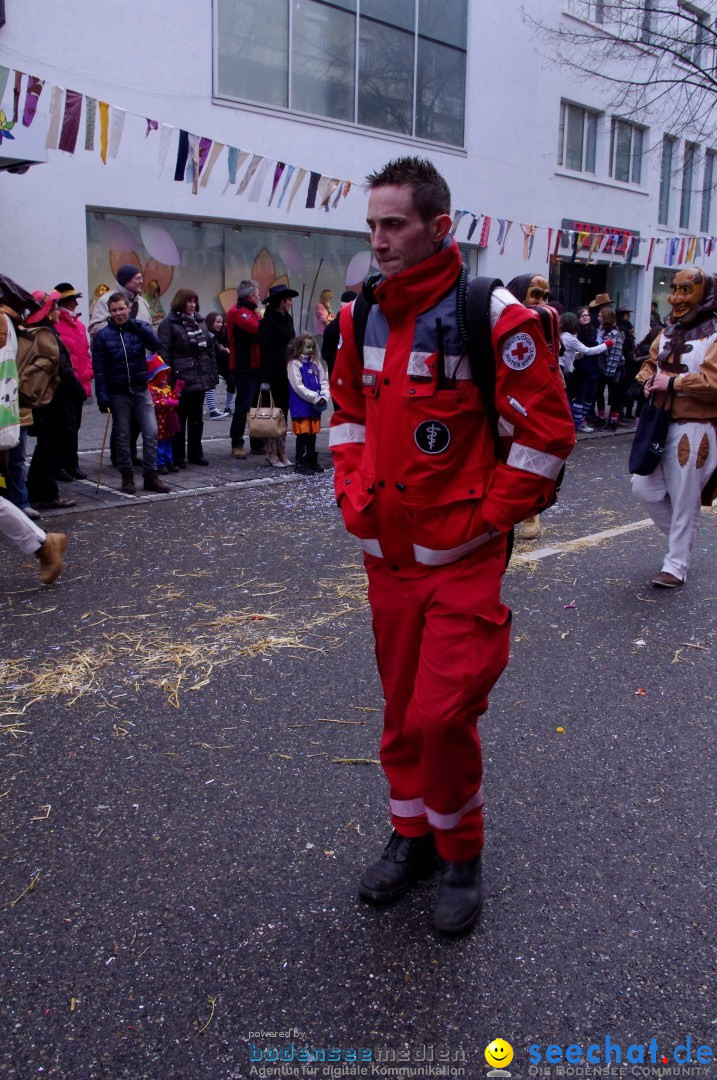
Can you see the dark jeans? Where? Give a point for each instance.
(246, 387)
(15, 479)
(583, 387)
(138, 407)
(614, 394)
(187, 443)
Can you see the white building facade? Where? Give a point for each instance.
(213, 141)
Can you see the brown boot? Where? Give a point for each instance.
(153, 483)
(50, 553)
(128, 487)
(532, 528)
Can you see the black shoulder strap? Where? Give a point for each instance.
(473, 310)
(362, 305)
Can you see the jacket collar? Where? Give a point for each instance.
(420, 286)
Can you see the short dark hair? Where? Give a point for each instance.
(115, 297)
(431, 194)
(569, 322)
(181, 297)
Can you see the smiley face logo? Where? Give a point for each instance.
(499, 1053)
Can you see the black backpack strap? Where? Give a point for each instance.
(362, 306)
(473, 313)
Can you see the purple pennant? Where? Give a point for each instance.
(34, 89)
(205, 146)
(280, 166)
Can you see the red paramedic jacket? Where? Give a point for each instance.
(416, 475)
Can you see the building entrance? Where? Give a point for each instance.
(575, 285)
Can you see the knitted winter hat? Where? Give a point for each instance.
(126, 272)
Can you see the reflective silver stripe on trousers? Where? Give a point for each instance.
(373, 357)
(416, 807)
(434, 557)
(505, 428)
(371, 547)
(535, 461)
(347, 433)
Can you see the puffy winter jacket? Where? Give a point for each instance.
(74, 334)
(191, 361)
(119, 358)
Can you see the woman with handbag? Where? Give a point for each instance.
(189, 350)
(683, 362)
(276, 330)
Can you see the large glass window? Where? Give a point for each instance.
(577, 138)
(688, 171)
(626, 152)
(398, 66)
(663, 213)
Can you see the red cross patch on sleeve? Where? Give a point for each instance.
(519, 351)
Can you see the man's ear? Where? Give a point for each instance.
(441, 226)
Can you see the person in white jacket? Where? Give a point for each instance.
(580, 368)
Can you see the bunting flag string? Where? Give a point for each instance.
(197, 156)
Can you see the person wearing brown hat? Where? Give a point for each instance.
(74, 334)
(276, 330)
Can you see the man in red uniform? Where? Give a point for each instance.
(421, 489)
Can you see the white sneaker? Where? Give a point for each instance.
(584, 429)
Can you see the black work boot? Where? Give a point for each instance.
(460, 897)
(153, 483)
(128, 487)
(313, 463)
(405, 861)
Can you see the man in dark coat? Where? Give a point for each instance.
(275, 333)
(119, 362)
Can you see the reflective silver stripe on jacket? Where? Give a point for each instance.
(442, 557)
(373, 357)
(416, 807)
(371, 547)
(347, 433)
(535, 461)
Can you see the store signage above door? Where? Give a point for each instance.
(592, 237)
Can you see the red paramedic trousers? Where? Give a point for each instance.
(442, 641)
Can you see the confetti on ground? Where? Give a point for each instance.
(641, 692)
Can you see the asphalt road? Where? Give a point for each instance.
(189, 720)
